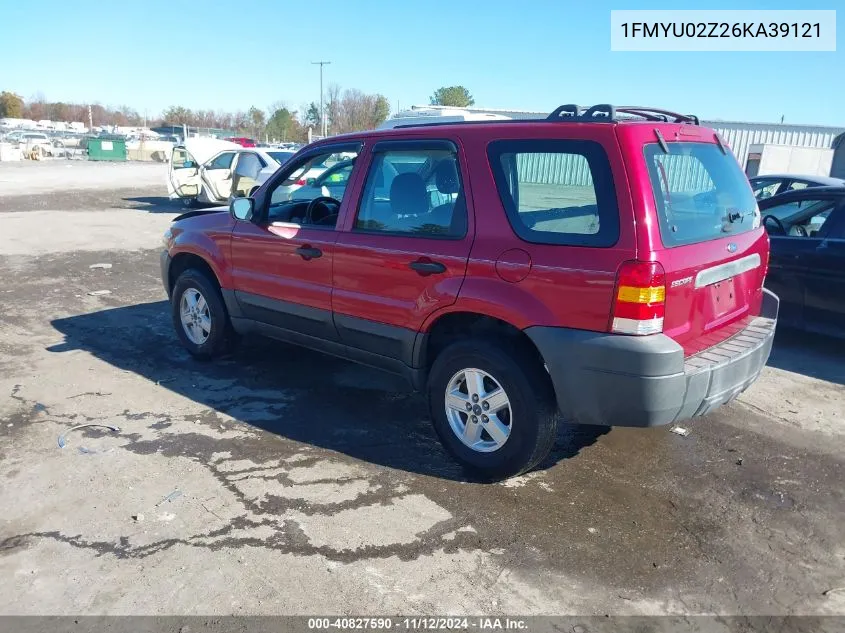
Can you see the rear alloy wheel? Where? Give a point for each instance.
(199, 315)
(493, 408)
(478, 410)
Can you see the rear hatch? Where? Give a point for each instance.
(708, 237)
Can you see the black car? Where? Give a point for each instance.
(807, 265)
(775, 184)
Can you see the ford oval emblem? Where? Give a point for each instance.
(732, 248)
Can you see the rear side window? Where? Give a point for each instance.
(557, 191)
(700, 193)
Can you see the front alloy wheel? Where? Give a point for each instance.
(195, 315)
(199, 315)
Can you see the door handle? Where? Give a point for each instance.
(425, 267)
(307, 253)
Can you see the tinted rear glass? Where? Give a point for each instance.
(556, 191)
(700, 193)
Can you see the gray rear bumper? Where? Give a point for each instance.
(617, 380)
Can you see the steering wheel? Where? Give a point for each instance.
(780, 227)
(322, 202)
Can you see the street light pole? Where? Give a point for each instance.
(323, 129)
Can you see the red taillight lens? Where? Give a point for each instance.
(301, 182)
(640, 298)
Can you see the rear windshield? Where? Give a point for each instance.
(701, 194)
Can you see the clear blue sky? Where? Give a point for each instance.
(524, 54)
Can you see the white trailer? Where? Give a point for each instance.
(769, 158)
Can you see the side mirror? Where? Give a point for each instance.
(310, 182)
(242, 208)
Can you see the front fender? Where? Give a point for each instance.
(212, 250)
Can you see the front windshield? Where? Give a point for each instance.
(322, 175)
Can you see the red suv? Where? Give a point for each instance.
(602, 267)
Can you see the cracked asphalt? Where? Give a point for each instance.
(280, 481)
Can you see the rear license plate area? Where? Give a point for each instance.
(722, 297)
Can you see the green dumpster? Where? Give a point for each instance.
(106, 149)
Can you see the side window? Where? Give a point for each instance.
(797, 185)
(181, 159)
(337, 175)
(417, 192)
(557, 192)
(804, 218)
(224, 161)
(290, 198)
(765, 188)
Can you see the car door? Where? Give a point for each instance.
(790, 245)
(282, 265)
(217, 174)
(248, 166)
(400, 258)
(824, 287)
(183, 179)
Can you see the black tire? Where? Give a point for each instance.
(529, 389)
(221, 338)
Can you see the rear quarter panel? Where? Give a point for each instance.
(566, 286)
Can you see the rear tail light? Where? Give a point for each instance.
(301, 182)
(640, 300)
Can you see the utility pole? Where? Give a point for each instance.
(90, 120)
(323, 129)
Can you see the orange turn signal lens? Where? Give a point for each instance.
(632, 294)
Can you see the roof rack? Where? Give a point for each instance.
(605, 112)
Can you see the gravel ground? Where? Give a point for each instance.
(280, 481)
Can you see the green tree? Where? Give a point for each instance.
(282, 125)
(257, 120)
(381, 110)
(58, 111)
(455, 96)
(312, 115)
(11, 105)
(177, 115)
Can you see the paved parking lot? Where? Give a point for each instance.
(282, 481)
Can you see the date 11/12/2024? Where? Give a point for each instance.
(418, 623)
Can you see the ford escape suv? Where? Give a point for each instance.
(602, 267)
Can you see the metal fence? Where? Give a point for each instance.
(685, 173)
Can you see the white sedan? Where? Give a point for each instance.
(211, 171)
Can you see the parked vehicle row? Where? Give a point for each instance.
(512, 293)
